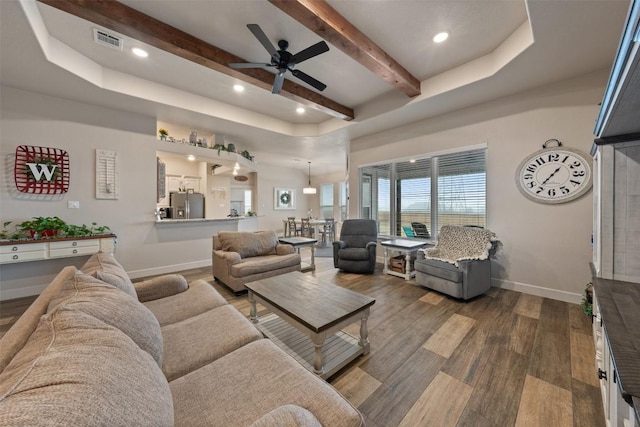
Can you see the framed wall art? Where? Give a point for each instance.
(41, 170)
(284, 198)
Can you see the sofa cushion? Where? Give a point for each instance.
(287, 416)
(257, 265)
(104, 266)
(200, 297)
(217, 393)
(441, 269)
(76, 361)
(160, 287)
(114, 307)
(248, 244)
(194, 342)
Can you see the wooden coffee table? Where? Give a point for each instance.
(307, 318)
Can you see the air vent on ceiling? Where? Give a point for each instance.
(107, 39)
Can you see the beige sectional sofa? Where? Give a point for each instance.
(95, 349)
(239, 257)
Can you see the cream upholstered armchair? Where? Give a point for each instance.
(459, 264)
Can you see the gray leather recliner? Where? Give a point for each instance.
(355, 252)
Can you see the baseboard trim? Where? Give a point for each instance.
(22, 292)
(525, 288)
(168, 269)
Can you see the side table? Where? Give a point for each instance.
(406, 247)
(300, 242)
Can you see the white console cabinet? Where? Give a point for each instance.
(38, 250)
(617, 411)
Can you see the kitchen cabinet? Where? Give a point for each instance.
(39, 250)
(616, 359)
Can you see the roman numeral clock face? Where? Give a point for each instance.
(554, 175)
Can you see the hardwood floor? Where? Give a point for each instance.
(502, 359)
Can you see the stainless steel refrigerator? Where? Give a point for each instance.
(187, 205)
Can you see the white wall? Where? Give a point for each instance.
(546, 248)
(143, 247)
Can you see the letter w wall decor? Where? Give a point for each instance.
(41, 170)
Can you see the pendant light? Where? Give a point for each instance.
(309, 189)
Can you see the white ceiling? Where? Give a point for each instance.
(496, 48)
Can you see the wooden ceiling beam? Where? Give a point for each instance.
(325, 21)
(127, 21)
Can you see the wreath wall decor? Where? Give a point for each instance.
(284, 198)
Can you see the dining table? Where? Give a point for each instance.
(315, 226)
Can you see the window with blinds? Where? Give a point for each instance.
(343, 201)
(401, 194)
(413, 195)
(375, 195)
(326, 201)
(462, 189)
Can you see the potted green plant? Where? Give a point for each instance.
(43, 227)
(163, 134)
(219, 147)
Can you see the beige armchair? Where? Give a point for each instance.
(241, 257)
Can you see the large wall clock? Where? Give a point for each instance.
(554, 174)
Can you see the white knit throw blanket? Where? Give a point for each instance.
(461, 243)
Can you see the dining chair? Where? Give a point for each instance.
(292, 228)
(328, 230)
(305, 228)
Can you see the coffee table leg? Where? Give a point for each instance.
(318, 364)
(364, 333)
(253, 315)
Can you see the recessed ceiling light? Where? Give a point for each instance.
(300, 110)
(191, 157)
(139, 52)
(412, 161)
(440, 37)
(238, 88)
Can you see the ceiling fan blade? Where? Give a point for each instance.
(264, 40)
(308, 79)
(310, 52)
(248, 65)
(278, 82)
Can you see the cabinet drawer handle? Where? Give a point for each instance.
(75, 251)
(602, 374)
(74, 244)
(16, 257)
(15, 248)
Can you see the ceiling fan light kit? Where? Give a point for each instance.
(283, 61)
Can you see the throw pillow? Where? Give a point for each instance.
(112, 306)
(104, 266)
(248, 244)
(77, 370)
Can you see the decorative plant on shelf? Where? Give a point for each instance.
(252, 213)
(163, 133)
(587, 300)
(219, 147)
(246, 155)
(42, 227)
(5, 234)
(50, 227)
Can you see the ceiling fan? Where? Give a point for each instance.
(283, 60)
